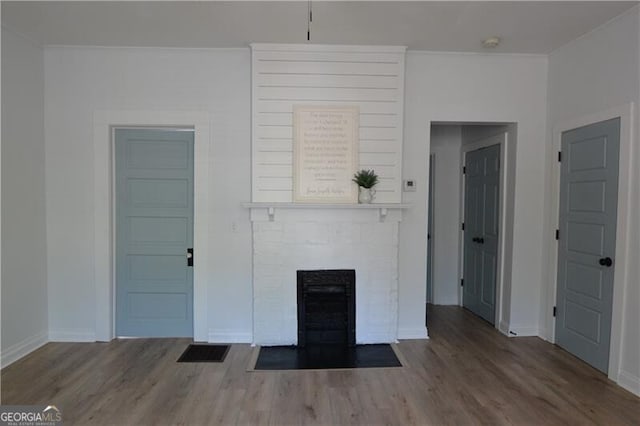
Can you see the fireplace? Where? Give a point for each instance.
(327, 307)
(309, 238)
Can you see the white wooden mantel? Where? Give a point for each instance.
(272, 207)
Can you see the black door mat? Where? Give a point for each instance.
(204, 353)
(326, 357)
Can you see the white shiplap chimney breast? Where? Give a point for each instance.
(288, 238)
(369, 77)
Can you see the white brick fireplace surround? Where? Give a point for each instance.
(288, 239)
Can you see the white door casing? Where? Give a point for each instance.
(103, 123)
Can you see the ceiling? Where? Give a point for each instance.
(524, 27)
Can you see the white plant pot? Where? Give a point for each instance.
(366, 195)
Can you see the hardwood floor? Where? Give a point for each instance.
(467, 373)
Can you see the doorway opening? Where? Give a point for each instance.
(104, 210)
(471, 212)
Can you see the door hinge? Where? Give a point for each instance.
(555, 311)
(462, 282)
(557, 234)
(464, 170)
(463, 226)
(559, 156)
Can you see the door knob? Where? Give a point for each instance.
(606, 261)
(481, 240)
(474, 239)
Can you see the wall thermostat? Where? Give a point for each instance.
(409, 185)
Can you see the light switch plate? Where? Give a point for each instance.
(409, 185)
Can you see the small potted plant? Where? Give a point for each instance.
(366, 180)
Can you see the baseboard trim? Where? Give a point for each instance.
(72, 335)
(629, 382)
(405, 333)
(373, 337)
(22, 349)
(523, 331)
(543, 333)
(229, 336)
(503, 327)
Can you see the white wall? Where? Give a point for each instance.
(476, 88)
(79, 81)
(590, 75)
(24, 276)
(439, 87)
(445, 145)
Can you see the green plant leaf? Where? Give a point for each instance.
(365, 178)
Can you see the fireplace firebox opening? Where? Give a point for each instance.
(327, 307)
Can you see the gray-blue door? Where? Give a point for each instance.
(481, 221)
(430, 231)
(154, 229)
(587, 239)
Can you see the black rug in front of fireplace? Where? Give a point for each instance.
(315, 357)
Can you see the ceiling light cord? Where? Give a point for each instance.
(309, 19)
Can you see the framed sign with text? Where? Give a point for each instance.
(325, 154)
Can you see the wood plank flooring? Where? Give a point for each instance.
(467, 373)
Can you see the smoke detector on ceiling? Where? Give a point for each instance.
(491, 42)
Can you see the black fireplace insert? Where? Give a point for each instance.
(327, 307)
